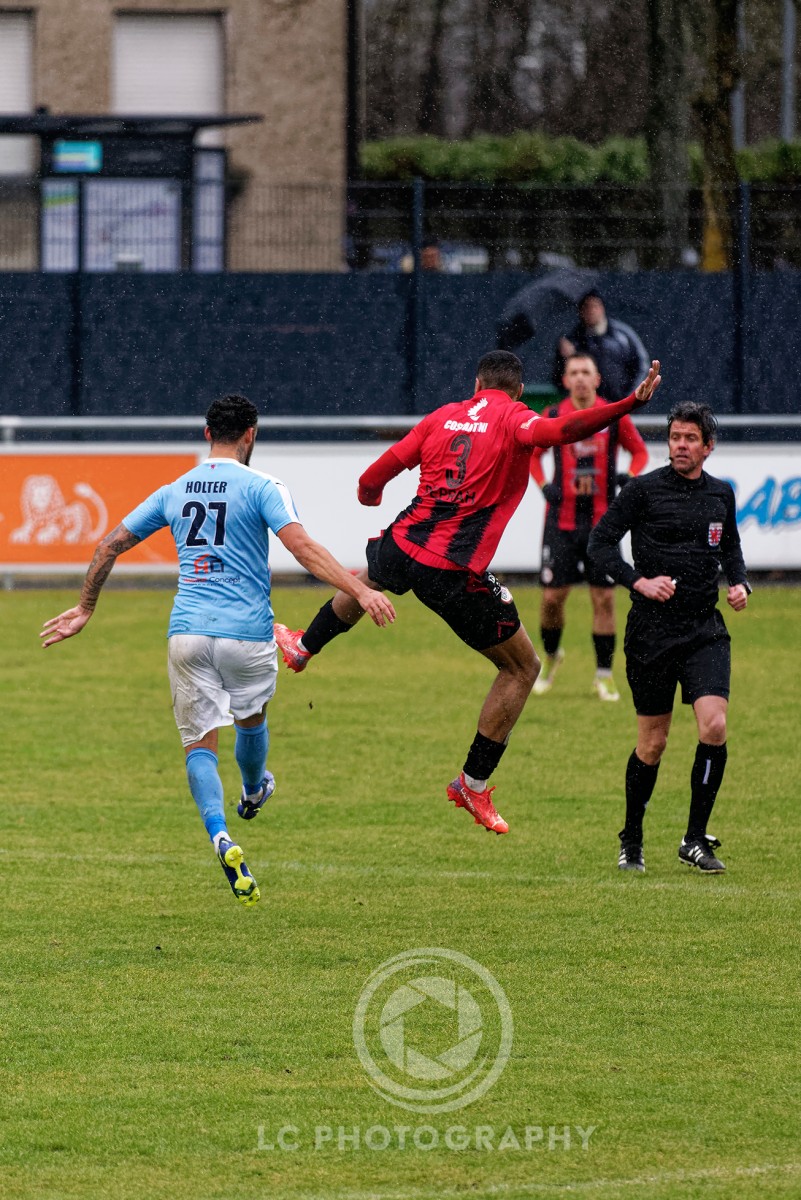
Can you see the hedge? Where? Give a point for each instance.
(534, 158)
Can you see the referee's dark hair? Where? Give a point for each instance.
(500, 369)
(696, 414)
(230, 417)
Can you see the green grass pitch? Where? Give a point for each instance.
(149, 1025)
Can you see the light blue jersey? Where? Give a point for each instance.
(219, 514)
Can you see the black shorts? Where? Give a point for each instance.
(478, 608)
(565, 561)
(702, 667)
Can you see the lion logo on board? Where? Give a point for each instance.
(49, 519)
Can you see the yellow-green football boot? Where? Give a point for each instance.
(232, 861)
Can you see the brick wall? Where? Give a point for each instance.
(284, 59)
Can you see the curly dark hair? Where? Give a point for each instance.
(230, 417)
(696, 414)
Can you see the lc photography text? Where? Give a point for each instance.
(348, 1139)
(433, 1031)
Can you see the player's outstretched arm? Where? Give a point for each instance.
(316, 559)
(648, 386)
(377, 476)
(559, 431)
(68, 623)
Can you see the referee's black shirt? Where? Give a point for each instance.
(683, 528)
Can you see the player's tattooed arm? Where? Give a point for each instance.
(108, 551)
(68, 623)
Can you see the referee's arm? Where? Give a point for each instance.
(603, 549)
(730, 549)
(732, 559)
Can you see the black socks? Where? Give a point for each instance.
(323, 629)
(640, 783)
(550, 640)
(483, 757)
(604, 644)
(705, 780)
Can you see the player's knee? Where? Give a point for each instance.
(651, 748)
(522, 662)
(605, 604)
(712, 730)
(532, 669)
(552, 609)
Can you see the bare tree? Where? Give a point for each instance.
(431, 113)
(667, 123)
(501, 29)
(715, 27)
(583, 67)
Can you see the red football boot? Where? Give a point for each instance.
(294, 657)
(479, 804)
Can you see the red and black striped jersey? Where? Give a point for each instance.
(474, 459)
(584, 479)
(473, 475)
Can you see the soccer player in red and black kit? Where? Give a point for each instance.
(474, 468)
(583, 487)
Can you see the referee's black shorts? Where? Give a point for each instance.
(702, 667)
(478, 608)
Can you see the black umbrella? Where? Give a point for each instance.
(553, 295)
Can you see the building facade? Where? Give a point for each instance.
(282, 59)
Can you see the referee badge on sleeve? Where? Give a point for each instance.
(715, 532)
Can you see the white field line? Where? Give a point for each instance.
(717, 888)
(582, 1187)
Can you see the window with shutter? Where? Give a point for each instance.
(16, 89)
(165, 63)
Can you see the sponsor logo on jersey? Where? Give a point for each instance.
(476, 409)
(467, 426)
(715, 532)
(453, 497)
(208, 564)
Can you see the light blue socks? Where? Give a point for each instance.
(251, 755)
(207, 790)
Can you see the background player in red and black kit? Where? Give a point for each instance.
(683, 526)
(474, 469)
(583, 487)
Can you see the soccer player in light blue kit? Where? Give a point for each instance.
(222, 657)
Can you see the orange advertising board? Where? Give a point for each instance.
(55, 508)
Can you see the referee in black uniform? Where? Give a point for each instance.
(683, 534)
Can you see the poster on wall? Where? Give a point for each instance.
(129, 224)
(59, 217)
(132, 225)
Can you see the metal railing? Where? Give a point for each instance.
(379, 426)
(374, 226)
